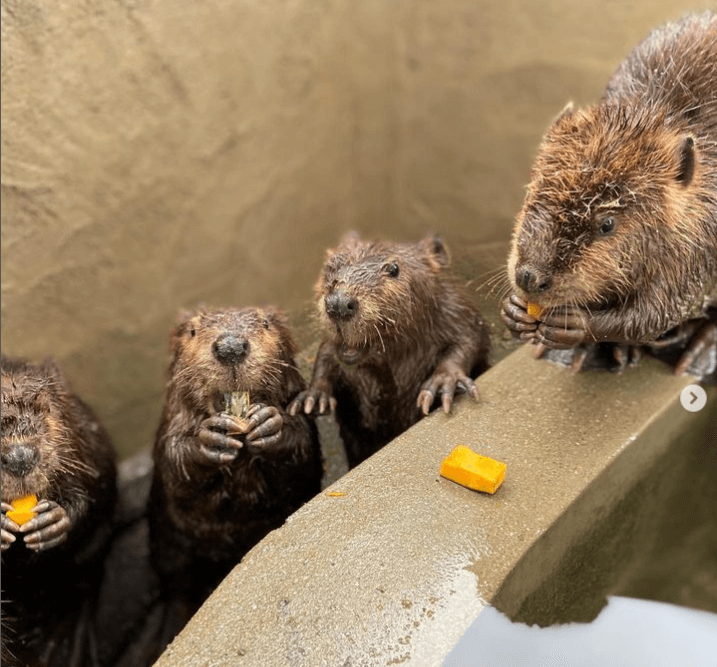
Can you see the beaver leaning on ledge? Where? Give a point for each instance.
(53, 446)
(617, 239)
(399, 337)
(220, 484)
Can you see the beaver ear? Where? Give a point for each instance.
(568, 110)
(436, 250)
(52, 370)
(686, 161)
(350, 239)
(183, 316)
(274, 315)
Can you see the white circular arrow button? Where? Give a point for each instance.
(693, 398)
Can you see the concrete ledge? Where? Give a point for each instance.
(395, 571)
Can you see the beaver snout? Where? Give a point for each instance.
(230, 349)
(531, 280)
(340, 306)
(20, 459)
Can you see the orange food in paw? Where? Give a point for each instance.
(472, 470)
(21, 512)
(534, 310)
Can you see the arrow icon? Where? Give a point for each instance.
(693, 398)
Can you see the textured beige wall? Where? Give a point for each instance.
(157, 153)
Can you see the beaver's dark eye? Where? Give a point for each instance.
(392, 269)
(266, 323)
(192, 332)
(607, 226)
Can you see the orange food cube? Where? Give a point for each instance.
(534, 310)
(21, 512)
(472, 470)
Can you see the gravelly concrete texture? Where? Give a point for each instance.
(396, 569)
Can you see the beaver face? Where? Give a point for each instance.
(34, 437)
(371, 294)
(217, 351)
(605, 196)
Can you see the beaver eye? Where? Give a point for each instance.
(392, 269)
(192, 332)
(266, 323)
(607, 226)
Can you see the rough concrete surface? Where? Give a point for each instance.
(158, 154)
(395, 570)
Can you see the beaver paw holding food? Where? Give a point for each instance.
(562, 335)
(221, 436)
(48, 529)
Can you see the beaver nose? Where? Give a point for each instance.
(531, 280)
(230, 349)
(340, 306)
(20, 459)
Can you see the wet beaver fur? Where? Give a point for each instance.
(399, 336)
(215, 495)
(617, 238)
(53, 446)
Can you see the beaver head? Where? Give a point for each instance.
(374, 294)
(233, 349)
(611, 208)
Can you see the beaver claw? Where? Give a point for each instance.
(445, 383)
(700, 355)
(7, 527)
(49, 528)
(515, 316)
(220, 438)
(265, 425)
(312, 398)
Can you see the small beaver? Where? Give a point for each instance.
(400, 336)
(221, 483)
(617, 239)
(54, 447)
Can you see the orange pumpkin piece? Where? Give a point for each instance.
(534, 310)
(472, 470)
(21, 512)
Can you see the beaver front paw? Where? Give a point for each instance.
(445, 382)
(220, 438)
(265, 425)
(317, 400)
(49, 528)
(7, 527)
(562, 329)
(515, 315)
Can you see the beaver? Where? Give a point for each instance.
(616, 241)
(221, 484)
(399, 336)
(53, 446)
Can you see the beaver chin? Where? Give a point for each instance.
(351, 355)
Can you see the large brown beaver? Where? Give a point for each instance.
(399, 336)
(221, 484)
(54, 447)
(617, 239)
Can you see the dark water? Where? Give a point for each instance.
(627, 633)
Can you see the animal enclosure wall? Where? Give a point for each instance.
(157, 154)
